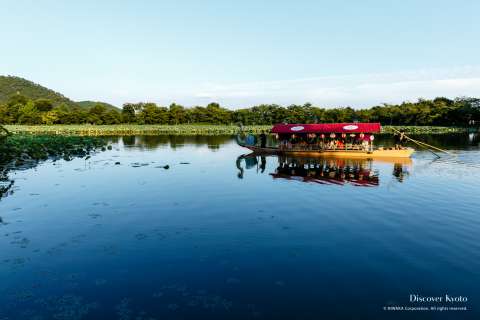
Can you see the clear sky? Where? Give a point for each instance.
(246, 52)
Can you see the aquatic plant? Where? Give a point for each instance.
(423, 129)
(182, 129)
(23, 149)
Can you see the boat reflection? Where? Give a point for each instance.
(334, 171)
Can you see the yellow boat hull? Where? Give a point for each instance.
(375, 154)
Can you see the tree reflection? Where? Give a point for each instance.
(151, 142)
(6, 183)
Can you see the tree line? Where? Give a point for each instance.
(439, 111)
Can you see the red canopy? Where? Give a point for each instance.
(327, 128)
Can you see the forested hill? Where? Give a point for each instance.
(90, 104)
(10, 86)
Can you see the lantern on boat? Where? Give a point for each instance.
(344, 135)
(361, 135)
(332, 135)
(372, 137)
(352, 135)
(322, 136)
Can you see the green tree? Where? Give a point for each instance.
(43, 105)
(128, 113)
(112, 117)
(96, 114)
(50, 117)
(152, 114)
(17, 99)
(177, 114)
(28, 114)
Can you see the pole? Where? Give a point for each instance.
(423, 144)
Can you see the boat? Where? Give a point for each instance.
(358, 137)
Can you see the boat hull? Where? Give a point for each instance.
(404, 153)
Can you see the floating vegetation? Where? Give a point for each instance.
(138, 165)
(133, 129)
(183, 129)
(423, 129)
(26, 151)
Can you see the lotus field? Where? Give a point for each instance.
(184, 129)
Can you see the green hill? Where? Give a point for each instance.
(89, 104)
(11, 85)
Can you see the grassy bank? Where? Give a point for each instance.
(125, 129)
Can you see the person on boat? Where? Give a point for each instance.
(312, 141)
(303, 144)
(283, 145)
(321, 142)
(365, 144)
(333, 144)
(402, 138)
(293, 141)
(399, 140)
(340, 144)
(251, 139)
(263, 139)
(396, 138)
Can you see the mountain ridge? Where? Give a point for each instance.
(11, 85)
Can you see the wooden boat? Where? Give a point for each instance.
(344, 130)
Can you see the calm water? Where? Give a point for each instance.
(216, 236)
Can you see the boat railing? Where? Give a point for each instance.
(242, 140)
(326, 148)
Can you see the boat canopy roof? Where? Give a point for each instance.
(327, 128)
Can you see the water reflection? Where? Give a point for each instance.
(96, 240)
(171, 141)
(5, 183)
(337, 171)
(400, 171)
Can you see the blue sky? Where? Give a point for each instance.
(240, 53)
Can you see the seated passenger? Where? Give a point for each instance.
(333, 144)
(365, 145)
(321, 144)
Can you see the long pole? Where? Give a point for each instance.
(421, 143)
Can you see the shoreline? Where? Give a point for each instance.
(134, 129)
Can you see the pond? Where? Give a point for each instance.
(186, 228)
